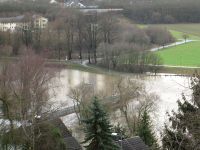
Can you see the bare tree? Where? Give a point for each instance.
(16, 43)
(7, 103)
(26, 94)
(58, 29)
(133, 100)
(108, 27)
(127, 90)
(80, 27)
(92, 35)
(82, 96)
(69, 29)
(110, 54)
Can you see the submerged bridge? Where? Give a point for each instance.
(113, 100)
(59, 113)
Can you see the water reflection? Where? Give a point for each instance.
(168, 88)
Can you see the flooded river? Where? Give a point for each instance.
(168, 88)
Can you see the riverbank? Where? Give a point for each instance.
(77, 65)
(92, 68)
(175, 71)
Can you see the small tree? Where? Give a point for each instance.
(145, 130)
(128, 90)
(185, 37)
(98, 129)
(24, 93)
(81, 95)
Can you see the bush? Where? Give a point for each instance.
(159, 36)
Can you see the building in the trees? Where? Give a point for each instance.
(10, 23)
(8, 26)
(74, 4)
(24, 22)
(78, 4)
(40, 22)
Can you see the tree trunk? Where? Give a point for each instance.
(89, 58)
(69, 55)
(95, 56)
(80, 53)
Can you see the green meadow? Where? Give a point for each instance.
(183, 55)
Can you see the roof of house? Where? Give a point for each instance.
(12, 19)
(134, 143)
(38, 17)
(22, 18)
(74, 3)
(70, 141)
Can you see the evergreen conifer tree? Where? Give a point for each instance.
(145, 131)
(98, 129)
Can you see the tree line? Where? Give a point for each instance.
(158, 11)
(73, 35)
(142, 11)
(131, 53)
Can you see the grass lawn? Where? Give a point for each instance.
(177, 30)
(182, 55)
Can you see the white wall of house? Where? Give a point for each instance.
(8, 26)
(40, 22)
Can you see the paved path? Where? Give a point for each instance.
(172, 45)
(186, 67)
(85, 62)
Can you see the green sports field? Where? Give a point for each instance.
(186, 54)
(183, 55)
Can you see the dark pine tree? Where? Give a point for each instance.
(183, 133)
(145, 131)
(98, 129)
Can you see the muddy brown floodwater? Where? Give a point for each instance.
(168, 88)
